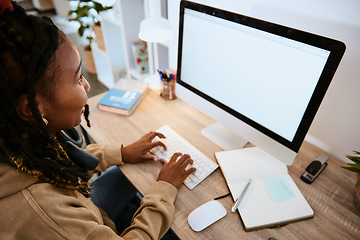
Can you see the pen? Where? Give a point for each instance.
(236, 204)
(160, 75)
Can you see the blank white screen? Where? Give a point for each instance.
(267, 78)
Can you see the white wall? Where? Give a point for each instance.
(336, 127)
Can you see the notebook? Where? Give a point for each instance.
(272, 198)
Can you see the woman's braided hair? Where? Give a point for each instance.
(27, 47)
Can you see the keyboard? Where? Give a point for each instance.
(176, 143)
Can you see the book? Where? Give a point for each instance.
(272, 199)
(124, 98)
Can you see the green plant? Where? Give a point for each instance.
(87, 14)
(354, 167)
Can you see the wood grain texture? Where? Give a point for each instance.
(330, 196)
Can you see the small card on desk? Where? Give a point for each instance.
(279, 188)
(272, 198)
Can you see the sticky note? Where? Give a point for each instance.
(279, 188)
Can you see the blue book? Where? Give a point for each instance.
(120, 101)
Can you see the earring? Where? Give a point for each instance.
(45, 120)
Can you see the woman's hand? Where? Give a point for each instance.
(139, 150)
(174, 171)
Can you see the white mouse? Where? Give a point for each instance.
(205, 215)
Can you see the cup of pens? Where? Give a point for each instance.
(168, 82)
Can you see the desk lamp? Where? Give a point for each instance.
(154, 29)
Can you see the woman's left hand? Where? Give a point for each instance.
(139, 151)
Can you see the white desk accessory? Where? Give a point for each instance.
(205, 215)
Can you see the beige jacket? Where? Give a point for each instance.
(32, 210)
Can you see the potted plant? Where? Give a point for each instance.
(355, 167)
(87, 15)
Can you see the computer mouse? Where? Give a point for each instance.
(205, 215)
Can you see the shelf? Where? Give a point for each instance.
(120, 28)
(103, 66)
(135, 73)
(112, 17)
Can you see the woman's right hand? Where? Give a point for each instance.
(174, 171)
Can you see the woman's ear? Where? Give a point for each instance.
(23, 109)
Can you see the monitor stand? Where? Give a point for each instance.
(223, 137)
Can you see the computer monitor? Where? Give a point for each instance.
(261, 80)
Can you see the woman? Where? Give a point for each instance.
(42, 193)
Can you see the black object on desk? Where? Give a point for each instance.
(314, 169)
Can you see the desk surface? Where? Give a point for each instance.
(330, 196)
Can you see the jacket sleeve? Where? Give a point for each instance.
(155, 214)
(108, 155)
(72, 216)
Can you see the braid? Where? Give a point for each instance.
(86, 115)
(27, 47)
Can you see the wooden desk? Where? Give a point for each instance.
(330, 196)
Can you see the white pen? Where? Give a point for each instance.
(236, 204)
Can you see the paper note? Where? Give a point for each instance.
(279, 188)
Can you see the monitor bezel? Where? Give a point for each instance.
(335, 47)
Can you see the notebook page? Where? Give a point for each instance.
(242, 164)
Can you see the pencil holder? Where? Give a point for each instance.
(168, 89)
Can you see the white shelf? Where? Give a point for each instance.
(112, 17)
(120, 28)
(135, 74)
(103, 66)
